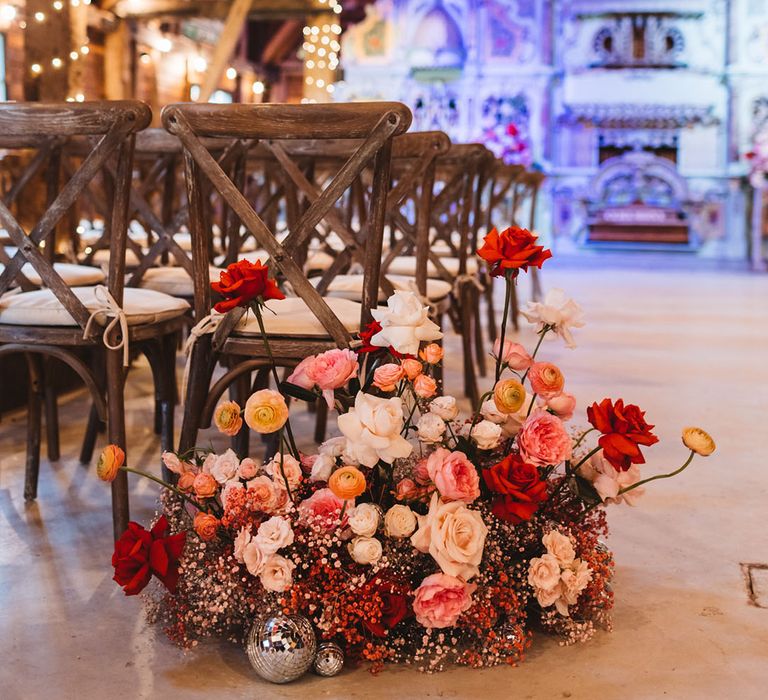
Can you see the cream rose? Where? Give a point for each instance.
(242, 540)
(574, 580)
(490, 411)
(372, 429)
(431, 428)
(253, 558)
(277, 573)
(404, 323)
(285, 467)
(365, 550)
(445, 407)
(544, 572)
(322, 468)
(486, 435)
(225, 467)
(454, 535)
(559, 546)
(364, 519)
(557, 310)
(400, 521)
(274, 534)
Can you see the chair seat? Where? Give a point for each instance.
(101, 257)
(173, 280)
(73, 275)
(42, 308)
(351, 287)
(292, 317)
(406, 265)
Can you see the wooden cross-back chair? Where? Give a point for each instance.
(61, 322)
(327, 322)
(525, 193)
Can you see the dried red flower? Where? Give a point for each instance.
(513, 249)
(395, 606)
(243, 282)
(624, 429)
(140, 553)
(518, 487)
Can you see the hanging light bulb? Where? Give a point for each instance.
(39, 16)
(164, 44)
(58, 5)
(231, 73)
(258, 87)
(200, 64)
(7, 13)
(36, 68)
(57, 62)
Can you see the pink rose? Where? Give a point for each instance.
(406, 489)
(387, 376)
(332, 369)
(514, 355)
(543, 441)
(424, 386)
(454, 475)
(322, 509)
(172, 462)
(247, 469)
(441, 599)
(421, 473)
(563, 405)
(300, 376)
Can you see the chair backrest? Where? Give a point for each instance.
(48, 128)
(274, 127)
(502, 179)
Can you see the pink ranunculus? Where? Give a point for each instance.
(441, 599)
(454, 475)
(406, 489)
(513, 354)
(300, 376)
(387, 376)
(331, 370)
(321, 509)
(543, 440)
(563, 405)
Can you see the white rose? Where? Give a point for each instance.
(400, 521)
(431, 428)
(283, 467)
(224, 467)
(322, 468)
(372, 429)
(486, 434)
(489, 411)
(556, 310)
(454, 535)
(608, 481)
(364, 519)
(277, 573)
(559, 546)
(365, 550)
(253, 558)
(404, 323)
(274, 534)
(544, 572)
(445, 407)
(333, 446)
(172, 462)
(242, 540)
(208, 462)
(574, 580)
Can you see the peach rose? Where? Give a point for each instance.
(563, 405)
(173, 463)
(186, 482)
(406, 490)
(560, 547)
(247, 469)
(400, 521)
(514, 355)
(242, 540)
(509, 395)
(431, 428)
(454, 475)
(412, 368)
(284, 468)
(364, 519)
(331, 370)
(273, 534)
(441, 599)
(266, 411)
(445, 407)
(424, 386)
(300, 375)
(543, 440)
(544, 572)
(205, 486)
(546, 379)
(347, 483)
(387, 376)
(205, 526)
(486, 434)
(263, 494)
(111, 459)
(277, 573)
(253, 558)
(227, 418)
(322, 508)
(365, 550)
(432, 354)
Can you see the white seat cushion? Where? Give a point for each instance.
(173, 280)
(42, 308)
(292, 317)
(406, 265)
(351, 287)
(319, 260)
(73, 275)
(101, 257)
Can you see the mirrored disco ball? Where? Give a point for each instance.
(511, 633)
(329, 660)
(281, 648)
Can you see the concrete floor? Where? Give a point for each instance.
(690, 347)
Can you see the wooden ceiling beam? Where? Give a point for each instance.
(211, 9)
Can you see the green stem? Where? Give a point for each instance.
(530, 405)
(584, 459)
(162, 483)
(659, 476)
(581, 439)
(507, 298)
(282, 470)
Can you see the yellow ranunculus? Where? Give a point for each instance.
(266, 411)
(699, 441)
(509, 395)
(110, 461)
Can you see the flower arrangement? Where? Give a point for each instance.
(416, 535)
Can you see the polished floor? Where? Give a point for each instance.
(689, 346)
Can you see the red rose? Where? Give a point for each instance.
(513, 249)
(518, 487)
(624, 429)
(242, 282)
(394, 603)
(139, 554)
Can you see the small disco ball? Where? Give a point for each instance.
(281, 648)
(511, 633)
(329, 659)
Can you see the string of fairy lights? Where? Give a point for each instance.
(321, 52)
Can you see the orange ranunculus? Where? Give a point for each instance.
(227, 418)
(243, 282)
(509, 395)
(205, 486)
(432, 354)
(546, 379)
(206, 526)
(266, 411)
(623, 430)
(110, 460)
(347, 483)
(699, 441)
(413, 368)
(513, 249)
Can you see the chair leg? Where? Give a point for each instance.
(321, 421)
(95, 425)
(198, 383)
(116, 435)
(493, 331)
(536, 292)
(51, 412)
(168, 397)
(480, 349)
(470, 381)
(34, 417)
(239, 392)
